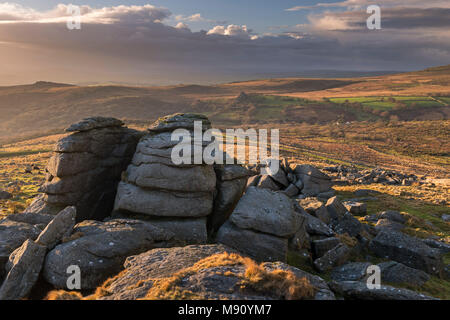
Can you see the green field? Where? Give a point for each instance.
(389, 103)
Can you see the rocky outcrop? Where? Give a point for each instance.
(155, 187)
(262, 215)
(100, 248)
(209, 272)
(86, 167)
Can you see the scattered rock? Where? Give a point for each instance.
(407, 250)
(356, 208)
(336, 209)
(335, 257)
(394, 272)
(446, 217)
(314, 226)
(393, 216)
(314, 181)
(322, 246)
(348, 225)
(354, 271)
(386, 224)
(356, 290)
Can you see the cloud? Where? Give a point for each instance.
(231, 30)
(136, 44)
(359, 4)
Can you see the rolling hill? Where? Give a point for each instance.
(46, 107)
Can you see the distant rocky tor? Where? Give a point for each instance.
(115, 205)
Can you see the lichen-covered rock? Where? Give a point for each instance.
(259, 246)
(12, 235)
(356, 290)
(100, 248)
(59, 228)
(394, 272)
(334, 257)
(407, 250)
(209, 272)
(86, 167)
(24, 271)
(266, 211)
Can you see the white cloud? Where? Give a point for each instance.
(231, 30)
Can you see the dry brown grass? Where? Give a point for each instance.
(63, 295)
(282, 284)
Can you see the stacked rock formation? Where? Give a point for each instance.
(262, 224)
(178, 197)
(86, 167)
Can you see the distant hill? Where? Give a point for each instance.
(42, 107)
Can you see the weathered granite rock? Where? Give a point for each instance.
(407, 250)
(260, 246)
(335, 257)
(159, 203)
(86, 167)
(348, 225)
(387, 224)
(322, 246)
(231, 184)
(356, 290)
(24, 271)
(335, 208)
(94, 123)
(12, 235)
(61, 226)
(207, 282)
(266, 211)
(157, 186)
(101, 249)
(354, 271)
(291, 191)
(356, 208)
(266, 182)
(393, 216)
(315, 208)
(314, 226)
(314, 181)
(394, 272)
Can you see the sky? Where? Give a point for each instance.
(210, 41)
